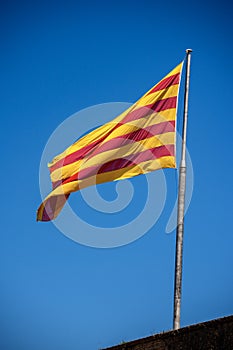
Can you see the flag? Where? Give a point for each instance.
(138, 141)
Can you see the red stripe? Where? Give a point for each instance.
(166, 83)
(132, 137)
(135, 136)
(50, 206)
(81, 153)
(152, 154)
(47, 211)
(133, 159)
(140, 112)
(145, 111)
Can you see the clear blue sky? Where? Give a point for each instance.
(57, 58)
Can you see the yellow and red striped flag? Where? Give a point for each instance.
(138, 141)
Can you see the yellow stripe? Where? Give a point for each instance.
(133, 170)
(155, 118)
(120, 174)
(95, 135)
(101, 131)
(128, 150)
(91, 137)
(123, 151)
(66, 171)
(60, 201)
(172, 91)
(142, 123)
(85, 140)
(176, 70)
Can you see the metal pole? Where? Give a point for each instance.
(181, 203)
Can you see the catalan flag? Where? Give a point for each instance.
(138, 141)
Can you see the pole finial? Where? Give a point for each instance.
(189, 50)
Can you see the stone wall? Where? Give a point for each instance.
(212, 335)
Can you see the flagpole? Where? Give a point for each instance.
(181, 203)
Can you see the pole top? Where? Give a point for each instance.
(188, 51)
